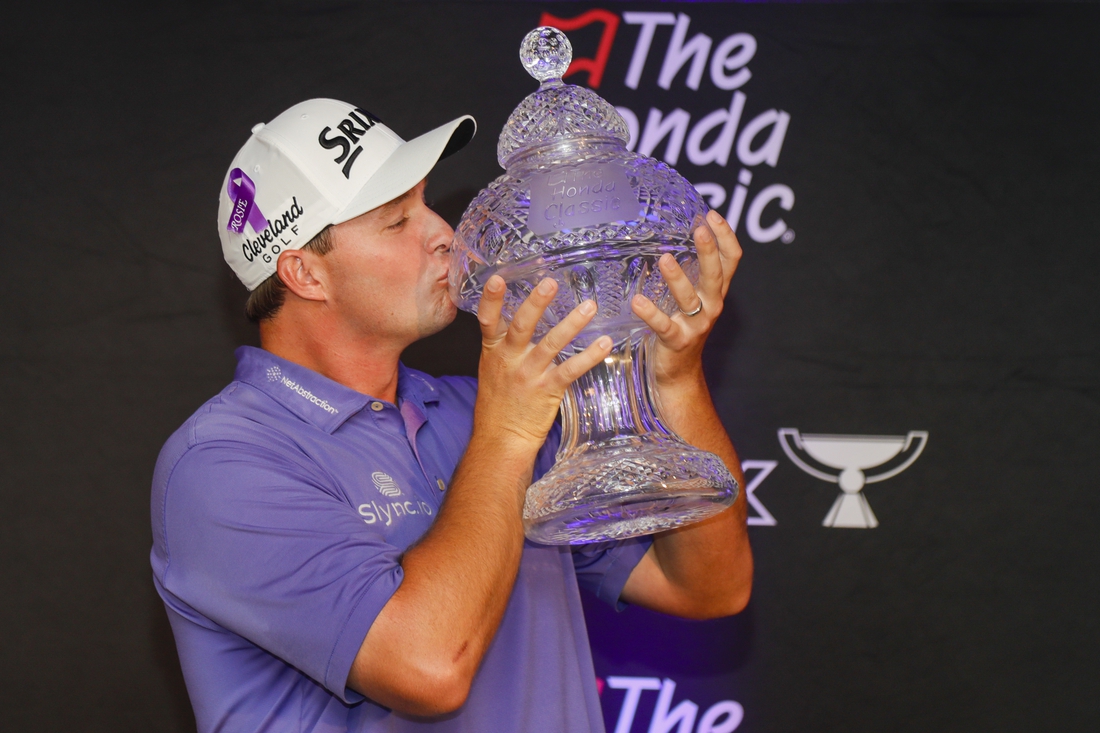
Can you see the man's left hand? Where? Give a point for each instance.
(703, 570)
(681, 337)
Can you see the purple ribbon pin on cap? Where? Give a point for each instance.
(242, 192)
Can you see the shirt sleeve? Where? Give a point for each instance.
(544, 461)
(603, 568)
(259, 542)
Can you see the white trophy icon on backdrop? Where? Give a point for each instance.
(851, 457)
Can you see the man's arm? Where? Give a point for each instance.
(703, 570)
(426, 644)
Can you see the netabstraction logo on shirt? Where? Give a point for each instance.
(275, 374)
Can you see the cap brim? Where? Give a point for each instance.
(409, 164)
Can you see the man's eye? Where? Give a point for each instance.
(399, 223)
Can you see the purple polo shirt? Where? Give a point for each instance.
(280, 511)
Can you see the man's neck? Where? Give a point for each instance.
(359, 363)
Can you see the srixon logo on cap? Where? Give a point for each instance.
(354, 126)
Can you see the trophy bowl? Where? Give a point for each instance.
(575, 205)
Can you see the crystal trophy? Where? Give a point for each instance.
(575, 205)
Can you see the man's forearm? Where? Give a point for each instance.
(703, 570)
(688, 409)
(434, 632)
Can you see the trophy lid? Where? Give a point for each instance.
(555, 111)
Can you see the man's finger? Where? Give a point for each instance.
(728, 247)
(658, 321)
(711, 267)
(683, 292)
(563, 334)
(567, 372)
(530, 311)
(489, 307)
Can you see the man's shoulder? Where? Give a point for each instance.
(238, 415)
(240, 422)
(240, 412)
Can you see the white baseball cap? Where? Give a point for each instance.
(320, 162)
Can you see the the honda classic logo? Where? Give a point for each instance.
(735, 136)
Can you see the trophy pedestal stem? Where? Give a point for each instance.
(620, 472)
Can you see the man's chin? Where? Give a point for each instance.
(444, 317)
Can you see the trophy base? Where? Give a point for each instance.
(626, 487)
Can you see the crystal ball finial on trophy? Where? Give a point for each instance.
(575, 205)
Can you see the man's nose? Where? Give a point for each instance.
(441, 235)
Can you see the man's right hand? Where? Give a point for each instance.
(519, 385)
(425, 646)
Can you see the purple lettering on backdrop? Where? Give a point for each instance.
(242, 192)
(586, 195)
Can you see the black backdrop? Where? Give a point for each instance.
(941, 276)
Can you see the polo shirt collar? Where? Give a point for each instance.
(314, 397)
(311, 396)
(415, 387)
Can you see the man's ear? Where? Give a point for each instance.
(302, 273)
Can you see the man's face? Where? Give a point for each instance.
(388, 271)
